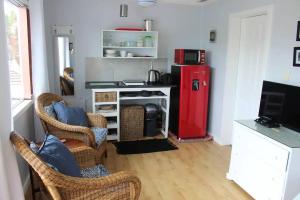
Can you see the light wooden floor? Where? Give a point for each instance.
(195, 171)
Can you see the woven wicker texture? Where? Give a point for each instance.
(122, 185)
(66, 131)
(106, 97)
(68, 74)
(132, 122)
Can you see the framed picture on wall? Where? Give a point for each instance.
(298, 31)
(296, 62)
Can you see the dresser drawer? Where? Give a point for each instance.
(267, 151)
(271, 183)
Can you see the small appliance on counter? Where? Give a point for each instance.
(189, 101)
(165, 79)
(153, 76)
(189, 57)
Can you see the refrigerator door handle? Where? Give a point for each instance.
(195, 85)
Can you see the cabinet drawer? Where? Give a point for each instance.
(267, 151)
(105, 96)
(270, 183)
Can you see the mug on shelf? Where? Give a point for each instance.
(123, 53)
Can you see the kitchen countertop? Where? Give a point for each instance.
(120, 84)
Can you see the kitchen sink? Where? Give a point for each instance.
(109, 84)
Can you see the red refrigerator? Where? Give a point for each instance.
(189, 101)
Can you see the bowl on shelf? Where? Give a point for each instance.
(111, 55)
(110, 51)
(130, 55)
(130, 44)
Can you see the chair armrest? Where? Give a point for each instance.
(70, 128)
(84, 155)
(97, 120)
(121, 185)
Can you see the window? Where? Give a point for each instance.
(19, 58)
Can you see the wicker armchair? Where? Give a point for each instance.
(65, 131)
(118, 186)
(67, 74)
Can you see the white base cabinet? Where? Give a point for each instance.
(113, 97)
(263, 166)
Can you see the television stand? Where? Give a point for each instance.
(265, 162)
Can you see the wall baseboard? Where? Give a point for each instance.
(218, 140)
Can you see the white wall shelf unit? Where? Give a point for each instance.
(131, 42)
(115, 47)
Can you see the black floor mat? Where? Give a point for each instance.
(144, 146)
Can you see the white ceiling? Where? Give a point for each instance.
(188, 2)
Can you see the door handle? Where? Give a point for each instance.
(195, 85)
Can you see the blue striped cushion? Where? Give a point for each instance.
(100, 134)
(50, 111)
(94, 172)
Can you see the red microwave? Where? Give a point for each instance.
(189, 57)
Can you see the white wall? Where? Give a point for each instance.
(178, 26)
(24, 125)
(39, 57)
(11, 177)
(216, 16)
(10, 183)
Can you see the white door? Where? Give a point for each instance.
(251, 67)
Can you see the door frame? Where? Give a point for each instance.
(232, 61)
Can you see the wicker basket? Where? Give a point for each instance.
(106, 97)
(132, 122)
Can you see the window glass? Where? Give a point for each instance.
(18, 42)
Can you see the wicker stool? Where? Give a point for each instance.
(132, 122)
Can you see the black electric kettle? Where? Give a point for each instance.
(153, 75)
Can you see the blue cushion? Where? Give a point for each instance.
(50, 111)
(70, 115)
(34, 147)
(100, 134)
(94, 172)
(58, 156)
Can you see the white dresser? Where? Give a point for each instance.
(265, 162)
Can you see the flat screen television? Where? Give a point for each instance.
(282, 103)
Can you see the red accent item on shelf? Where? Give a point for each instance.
(129, 29)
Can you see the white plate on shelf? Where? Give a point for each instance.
(111, 56)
